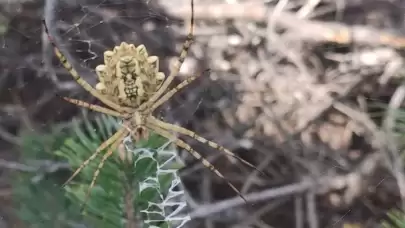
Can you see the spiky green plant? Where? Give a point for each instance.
(140, 188)
(395, 220)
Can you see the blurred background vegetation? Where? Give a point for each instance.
(310, 91)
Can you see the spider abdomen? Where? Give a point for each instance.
(129, 74)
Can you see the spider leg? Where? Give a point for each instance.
(92, 107)
(76, 76)
(184, 145)
(113, 147)
(184, 131)
(104, 145)
(171, 92)
(176, 68)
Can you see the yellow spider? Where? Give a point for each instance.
(131, 85)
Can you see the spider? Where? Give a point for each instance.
(132, 87)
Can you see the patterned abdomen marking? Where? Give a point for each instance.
(129, 74)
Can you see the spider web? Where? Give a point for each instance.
(84, 30)
(87, 28)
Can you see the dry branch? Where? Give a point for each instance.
(299, 28)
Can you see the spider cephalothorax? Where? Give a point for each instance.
(129, 75)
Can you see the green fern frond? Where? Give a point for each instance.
(396, 219)
(148, 180)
